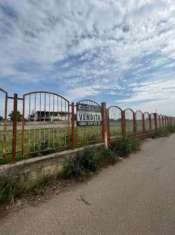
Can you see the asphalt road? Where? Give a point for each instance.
(134, 197)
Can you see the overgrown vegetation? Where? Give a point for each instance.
(125, 146)
(88, 162)
(164, 132)
(91, 160)
(7, 190)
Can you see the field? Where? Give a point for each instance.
(49, 139)
(40, 138)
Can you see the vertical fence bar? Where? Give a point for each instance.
(150, 124)
(69, 121)
(23, 123)
(160, 122)
(5, 127)
(15, 107)
(72, 125)
(134, 124)
(104, 124)
(76, 132)
(143, 122)
(155, 121)
(123, 123)
(108, 126)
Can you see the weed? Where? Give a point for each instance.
(125, 146)
(8, 190)
(164, 132)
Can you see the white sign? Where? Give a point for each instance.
(88, 115)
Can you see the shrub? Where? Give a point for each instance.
(171, 129)
(7, 190)
(163, 132)
(108, 156)
(88, 162)
(80, 165)
(125, 146)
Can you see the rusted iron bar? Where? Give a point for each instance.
(104, 124)
(15, 107)
(143, 122)
(123, 123)
(155, 120)
(72, 125)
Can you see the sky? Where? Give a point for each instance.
(118, 51)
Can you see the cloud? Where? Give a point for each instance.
(96, 48)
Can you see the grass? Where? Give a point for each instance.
(164, 132)
(43, 141)
(125, 146)
(92, 159)
(7, 190)
(49, 140)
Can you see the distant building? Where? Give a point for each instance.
(48, 116)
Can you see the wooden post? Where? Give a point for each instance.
(15, 109)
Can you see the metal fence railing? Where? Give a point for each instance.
(43, 122)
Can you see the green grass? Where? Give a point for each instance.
(125, 146)
(48, 140)
(164, 132)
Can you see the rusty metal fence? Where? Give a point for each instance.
(43, 122)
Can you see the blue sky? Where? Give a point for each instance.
(122, 52)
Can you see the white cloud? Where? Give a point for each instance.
(112, 37)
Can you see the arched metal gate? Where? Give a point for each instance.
(45, 122)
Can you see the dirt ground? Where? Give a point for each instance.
(134, 197)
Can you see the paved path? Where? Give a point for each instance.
(134, 197)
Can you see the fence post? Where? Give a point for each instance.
(23, 124)
(155, 121)
(123, 123)
(150, 124)
(134, 123)
(165, 121)
(5, 127)
(108, 127)
(104, 124)
(14, 119)
(143, 122)
(72, 125)
(160, 122)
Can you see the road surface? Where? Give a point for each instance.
(134, 197)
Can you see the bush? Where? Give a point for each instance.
(108, 156)
(88, 162)
(125, 146)
(7, 191)
(164, 132)
(171, 129)
(81, 165)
